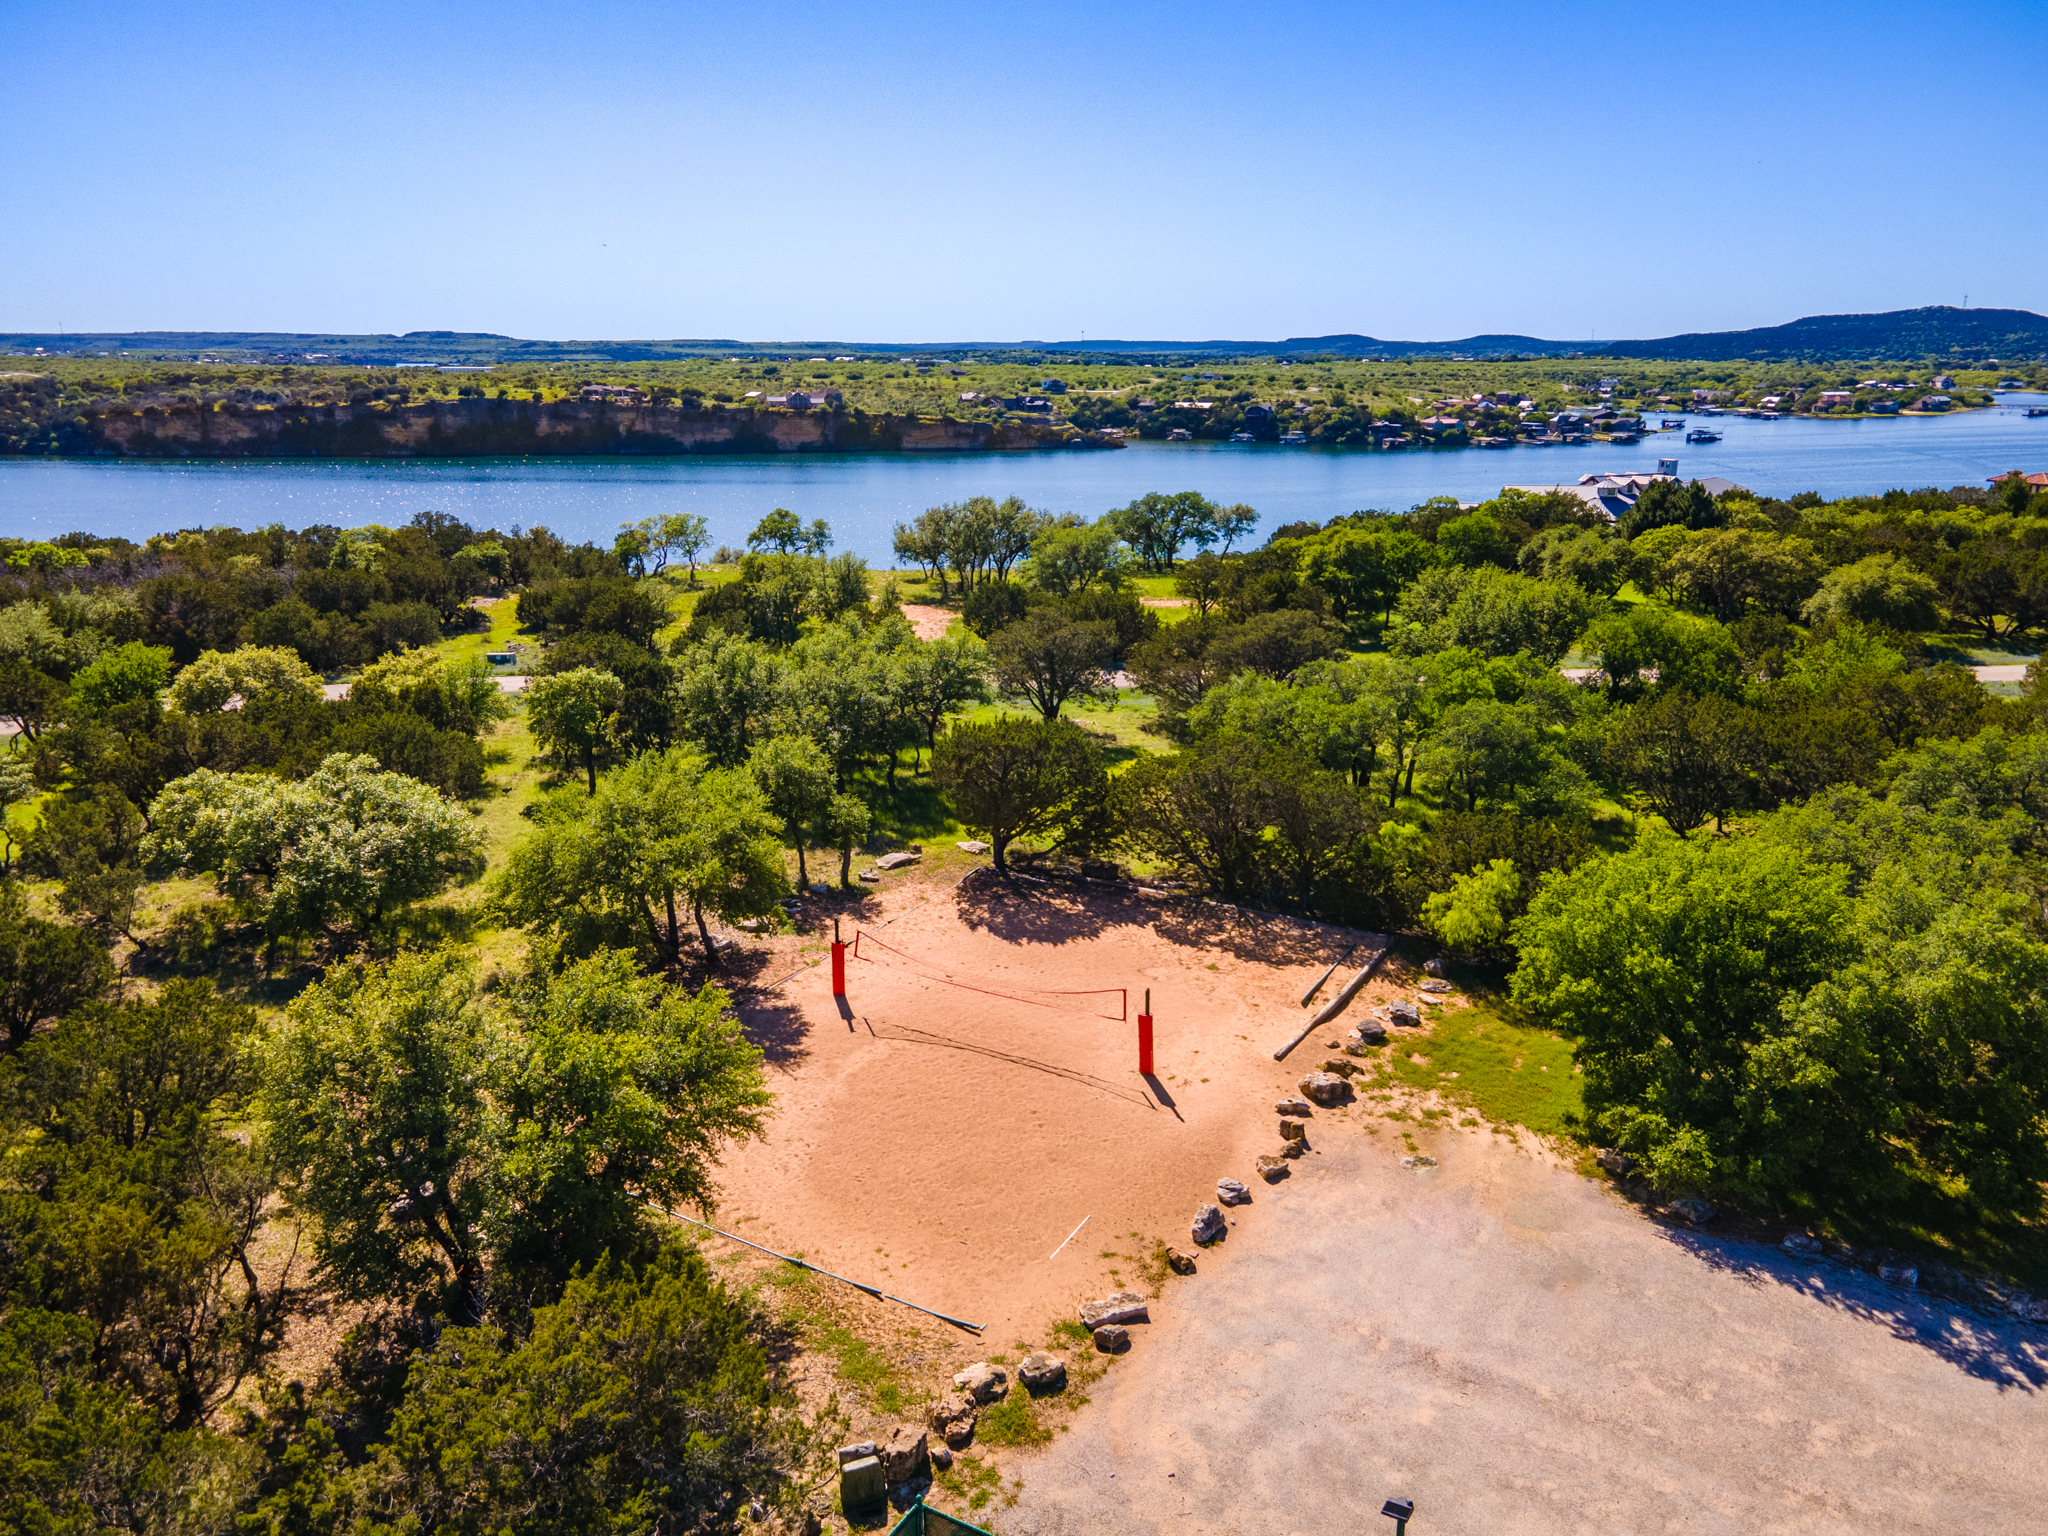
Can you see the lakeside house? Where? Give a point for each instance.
(1612, 495)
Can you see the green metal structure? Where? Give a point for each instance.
(922, 1520)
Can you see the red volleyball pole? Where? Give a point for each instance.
(838, 962)
(1145, 1037)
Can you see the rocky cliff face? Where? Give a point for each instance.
(473, 428)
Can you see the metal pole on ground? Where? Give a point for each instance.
(1145, 1037)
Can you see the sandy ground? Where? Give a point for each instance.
(1510, 1346)
(929, 623)
(941, 1143)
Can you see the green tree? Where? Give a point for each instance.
(613, 1090)
(937, 680)
(644, 1395)
(780, 531)
(664, 839)
(1476, 539)
(1692, 757)
(1471, 917)
(374, 1091)
(1878, 589)
(1048, 659)
(1203, 811)
(726, 692)
(46, 969)
(1018, 778)
(136, 1196)
(348, 842)
(1668, 964)
(1644, 648)
(1591, 558)
(1157, 525)
(575, 715)
(796, 781)
(92, 845)
(1492, 611)
(1363, 568)
(254, 672)
(844, 824)
(126, 674)
(1729, 569)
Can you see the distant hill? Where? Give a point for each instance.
(1939, 331)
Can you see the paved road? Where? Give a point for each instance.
(1510, 1346)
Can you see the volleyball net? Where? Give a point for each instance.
(1090, 1001)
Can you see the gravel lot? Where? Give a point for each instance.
(1513, 1348)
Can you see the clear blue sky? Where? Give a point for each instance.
(959, 171)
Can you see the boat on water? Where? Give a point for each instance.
(1242, 437)
(1670, 423)
(1703, 435)
(1623, 437)
(2037, 410)
(1293, 439)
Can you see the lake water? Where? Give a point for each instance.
(863, 496)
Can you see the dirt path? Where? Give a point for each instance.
(1505, 1343)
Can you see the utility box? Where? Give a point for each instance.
(861, 1487)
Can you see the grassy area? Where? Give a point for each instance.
(1509, 1073)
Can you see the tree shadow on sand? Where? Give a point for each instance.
(777, 1026)
(2010, 1354)
(1247, 935)
(1026, 910)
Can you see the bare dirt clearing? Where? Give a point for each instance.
(941, 1142)
(1510, 1346)
(929, 623)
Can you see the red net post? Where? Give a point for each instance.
(838, 969)
(1145, 1037)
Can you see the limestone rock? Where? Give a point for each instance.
(1800, 1242)
(1341, 1067)
(1433, 967)
(2029, 1309)
(904, 1455)
(1112, 1338)
(1293, 1148)
(1041, 1372)
(1616, 1163)
(1209, 1224)
(1420, 1160)
(1908, 1277)
(972, 845)
(869, 876)
(1433, 985)
(983, 1382)
(942, 1458)
(1693, 1210)
(1325, 1088)
(1273, 1169)
(953, 1419)
(1293, 1107)
(1293, 1130)
(1230, 1192)
(897, 860)
(1180, 1263)
(1123, 1307)
(1408, 1015)
(857, 1450)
